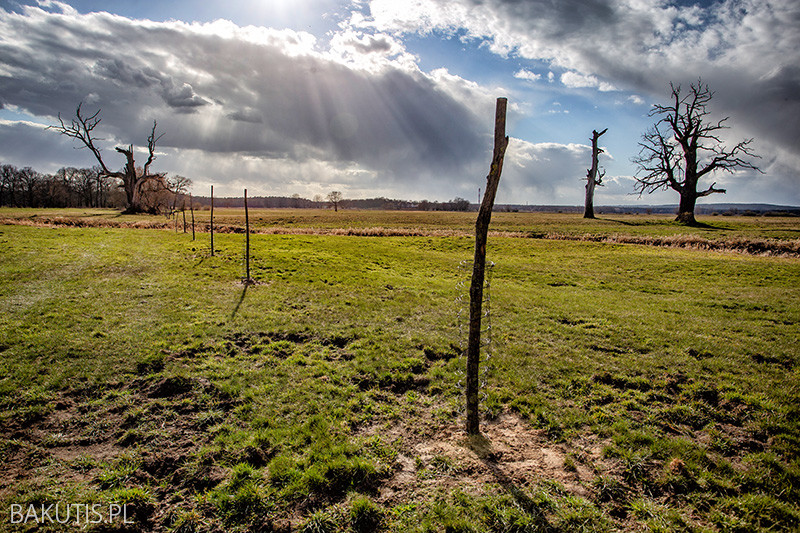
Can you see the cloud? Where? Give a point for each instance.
(354, 111)
(524, 74)
(358, 109)
(22, 144)
(541, 173)
(573, 80)
(747, 50)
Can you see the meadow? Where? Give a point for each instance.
(628, 387)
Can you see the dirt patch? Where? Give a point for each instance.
(158, 422)
(509, 453)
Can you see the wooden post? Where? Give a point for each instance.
(191, 208)
(247, 239)
(183, 211)
(212, 221)
(479, 266)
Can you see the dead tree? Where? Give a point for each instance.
(132, 179)
(178, 185)
(594, 177)
(335, 198)
(684, 146)
(479, 266)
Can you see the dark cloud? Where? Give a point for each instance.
(119, 71)
(221, 89)
(182, 97)
(22, 144)
(246, 115)
(372, 44)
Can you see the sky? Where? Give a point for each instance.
(396, 98)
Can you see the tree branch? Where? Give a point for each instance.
(710, 190)
(81, 129)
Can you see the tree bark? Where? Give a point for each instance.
(686, 207)
(479, 267)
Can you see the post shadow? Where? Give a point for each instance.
(241, 299)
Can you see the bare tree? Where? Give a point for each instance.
(594, 177)
(133, 179)
(335, 198)
(8, 185)
(684, 146)
(88, 186)
(29, 180)
(178, 185)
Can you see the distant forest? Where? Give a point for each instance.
(68, 187)
(86, 187)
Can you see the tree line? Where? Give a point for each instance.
(67, 187)
(319, 202)
(85, 187)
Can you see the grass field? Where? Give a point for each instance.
(629, 388)
(712, 227)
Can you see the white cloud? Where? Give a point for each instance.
(573, 80)
(524, 74)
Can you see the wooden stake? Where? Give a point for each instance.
(247, 239)
(479, 266)
(183, 211)
(212, 221)
(191, 208)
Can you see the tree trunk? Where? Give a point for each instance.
(479, 265)
(588, 210)
(686, 207)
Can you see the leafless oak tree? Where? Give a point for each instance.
(594, 176)
(335, 198)
(133, 179)
(684, 146)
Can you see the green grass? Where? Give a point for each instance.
(536, 224)
(137, 368)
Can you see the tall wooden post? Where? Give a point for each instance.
(212, 221)
(479, 266)
(183, 212)
(247, 239)
(191, 208)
